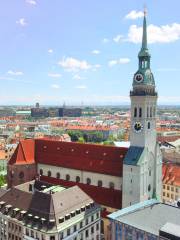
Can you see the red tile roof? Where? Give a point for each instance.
(87, 157)
(168, 138)
(104, 196)
(171, 174)
(24, 153)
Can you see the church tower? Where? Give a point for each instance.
(142, 166)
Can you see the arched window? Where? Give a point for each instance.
(140, 112)
(58, 175)
(150, 111)
(49, 174)
(135, 112)
(88, 181)
(41, 172)
(111, 185)
(149, 125)
(77, 179)
(67, 177)
(147, 111)
(100, 183)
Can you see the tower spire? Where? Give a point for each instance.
(144, 37)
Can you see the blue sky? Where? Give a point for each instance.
(85, 51)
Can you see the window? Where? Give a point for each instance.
(150, 172)
(163, 193)
(87, 221)
(49, 173)
(140, 112)
(68, 232)
(172, 188)
(67, 177)
(92, 229)
(167, 187)
(111, 185)
(41, 172)
(92, 218)
(149, 188)
(150, 111)
(58, 175)
(164, 186)
(88, 181)
(77, 179)
(87, 233)
(100, 183)
(97, 226)
(75, 228)
(147, 111)
(81, 224)
(149, 125)
(52, 237)
(135, 112)
(21, 175)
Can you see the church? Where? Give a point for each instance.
(114, 177)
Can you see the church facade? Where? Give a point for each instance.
(114, 177)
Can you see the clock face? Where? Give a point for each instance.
(138, 77)
(138, 126)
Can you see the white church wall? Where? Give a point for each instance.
(84, 175)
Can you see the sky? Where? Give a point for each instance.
(84, 52)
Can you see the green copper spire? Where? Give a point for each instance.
(144, 37)
(144, 50)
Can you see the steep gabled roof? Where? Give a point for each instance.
(24, 153)
(87, 157)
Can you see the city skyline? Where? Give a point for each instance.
(85, 52)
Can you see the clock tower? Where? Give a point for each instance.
(142, 164)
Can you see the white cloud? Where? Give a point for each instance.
(15, 73)
(77, 77)
(118, 38)
(95, 52)
(73, 64)
(105, 40)
(134, 14)
(32, 2)
(22, 22)
(50, 50)
(81, 87)
(55, 86)
(54, 75)
(111, 63)
(156, 34)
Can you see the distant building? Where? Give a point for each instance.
(39, 112)
(53, 112)
(70, 112)
(149, 220)
(171, 183)
(38, 210)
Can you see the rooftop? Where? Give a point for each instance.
(44, 206)
(158, 214)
